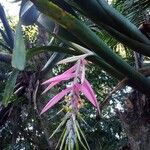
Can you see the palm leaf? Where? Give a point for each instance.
(135, 11)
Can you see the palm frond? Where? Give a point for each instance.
(136, 11)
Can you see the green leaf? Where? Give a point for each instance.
(75, 51)
(61, 137)
(37, 50)
(60, 125)
(9, 88)
(78, 136)
(78, 126)
(19, 52)
(63, 140)
(77, 144)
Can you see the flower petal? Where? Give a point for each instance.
(50, 86)
(56, 82)
(89, 93)
(55, 100)
(71, 70)
(92, 93)
(83, 74)
(59, 78)
(68, 73)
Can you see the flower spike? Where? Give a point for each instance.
(79, 83)
(73, 101)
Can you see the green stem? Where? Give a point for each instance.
(37, 50)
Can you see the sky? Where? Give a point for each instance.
(11, 9)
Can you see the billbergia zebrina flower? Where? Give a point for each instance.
(80, 84)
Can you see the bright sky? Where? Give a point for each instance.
(11, 9)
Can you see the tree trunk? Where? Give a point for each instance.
(136, 121)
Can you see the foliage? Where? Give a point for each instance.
(77, 27)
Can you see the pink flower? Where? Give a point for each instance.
(79, 85)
